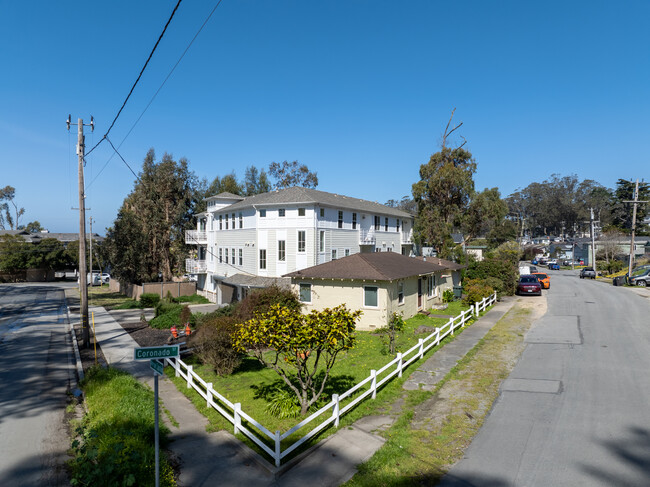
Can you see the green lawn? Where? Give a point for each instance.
(252, 383)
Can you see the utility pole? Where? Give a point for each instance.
(90, 221)
(83, 283)
(593, 238)
(635, 201)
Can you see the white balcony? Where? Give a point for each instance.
(193, 266)
(367, 237)
(407, 237)
(196, 237)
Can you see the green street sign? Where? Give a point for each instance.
(157, 366)
(148, 353)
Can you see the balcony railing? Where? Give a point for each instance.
(193, 237)
(407, 238)
(367, 237)
(193, 266)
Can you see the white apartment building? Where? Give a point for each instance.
(251, 242)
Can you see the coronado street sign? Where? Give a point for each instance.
(148, 353)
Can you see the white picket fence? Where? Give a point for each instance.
(376, 379)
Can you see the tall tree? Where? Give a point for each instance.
(7, 195)
(147, 238)
(486, 212)
(256, 181)
(443, 195)
(622, 210)
(288, 174)
(32, 227)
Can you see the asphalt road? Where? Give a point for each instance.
(576, 408)
(35, 374)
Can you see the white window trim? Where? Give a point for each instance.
(311, 290)
(364, 298)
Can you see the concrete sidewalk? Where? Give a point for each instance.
(220, 459)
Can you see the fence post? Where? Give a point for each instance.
(208, 391)
(373, 374)
(421, 344)
(399, 364)
(277, 448)
(451, 326)
(236, 409)
(494, 297)
(438, 335)
(476, 308)
(177, 367)
(335, 410)
(189, 376)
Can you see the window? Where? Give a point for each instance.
(386, 224)
(302, 236)
(226, 254)
(340, 219)
(370, 296)
(322, 212)
(241, 257)
(233, 256)
(262, 258)
(282, 254)
(321, 241)
(233, 221)
(241, 220)
(262, 213)
(377, 222)
(354, 221)
(431, 284)
(347, 252)
(397, 223)
(305, 293)
(226, 219)
(333, 254)
(220, 255)
(400, 292)
(301, 212)
(282, 212)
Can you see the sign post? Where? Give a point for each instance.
(153, 354)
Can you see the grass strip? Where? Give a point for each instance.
(115, 439)
(435, 428)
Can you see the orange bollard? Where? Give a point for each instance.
(188, 330)
(174, 331)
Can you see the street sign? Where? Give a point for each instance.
(148, 353)
(157, 366)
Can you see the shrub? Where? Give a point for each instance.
(496, 284)
(503, 270)
(448, 296)
(149, 300)
(260, 301)
(186, 315)
(213, 344)
(168, 314)
(476, 290)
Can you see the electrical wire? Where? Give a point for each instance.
(159, 88)
(127, 164)
(138, 79)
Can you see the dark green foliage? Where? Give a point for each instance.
(147, 237)
(186, 315)
(496, 284)
(213, 343)
(168, 314)
(476, 290)
(149, 300)
(260, 301)
(503, 270)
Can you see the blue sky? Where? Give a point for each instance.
(358, 90)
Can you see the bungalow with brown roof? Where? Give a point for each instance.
(377, 283)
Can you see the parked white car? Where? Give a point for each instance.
(106, 278)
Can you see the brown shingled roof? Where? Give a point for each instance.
(376, 266)
(447, 264)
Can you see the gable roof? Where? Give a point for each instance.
(300, 195)
(375, 266)
(225, 196)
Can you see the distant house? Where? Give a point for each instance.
(378, 284)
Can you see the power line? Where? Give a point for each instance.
(157, 91)
(138, 79)
(127, 164)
